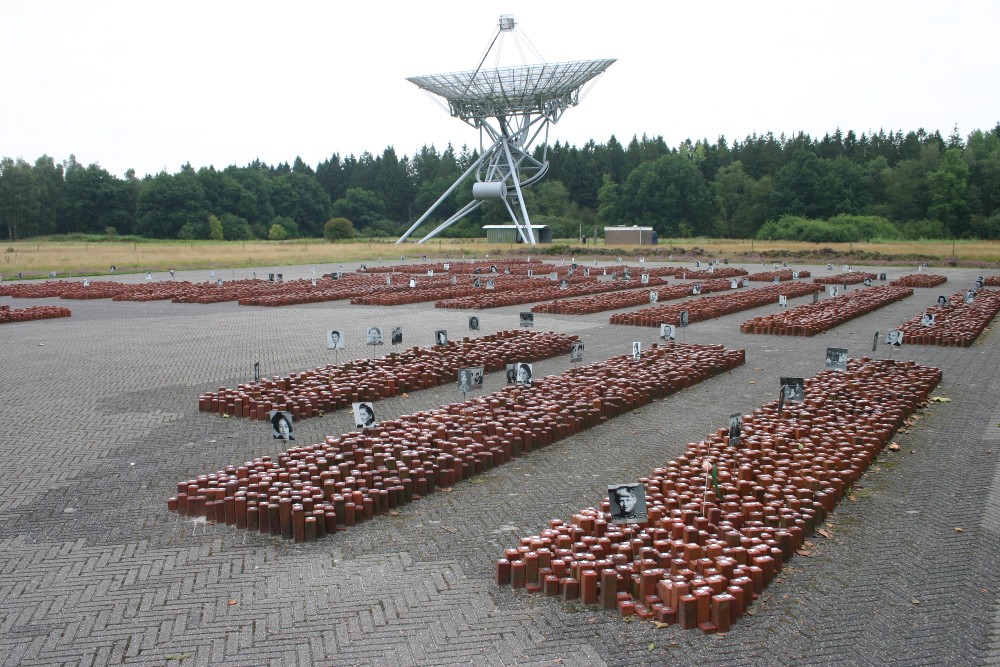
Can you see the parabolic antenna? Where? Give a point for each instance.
(510, 107)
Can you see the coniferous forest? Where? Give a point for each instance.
(843, 187)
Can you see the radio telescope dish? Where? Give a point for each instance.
(510, 106)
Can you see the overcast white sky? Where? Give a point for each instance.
(152, 85)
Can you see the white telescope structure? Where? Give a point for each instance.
(511, 107)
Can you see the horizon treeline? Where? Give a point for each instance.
(843, 187)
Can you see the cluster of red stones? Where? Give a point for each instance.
(315, 490)
(710, 307)
(850, 278)
(596, 303)
(8, 315)
(992, 281)
(781, 274)
(956, 324)
(700, 560)
(813, 318)
(592, 285)
(705, 274)
(334, 387)
(919, 280)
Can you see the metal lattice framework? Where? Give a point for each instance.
(510, 106)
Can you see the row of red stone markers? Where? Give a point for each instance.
(334, 387)
(849, 278)
(595, 303)
(500, 298)
(315, 490)
(9, 315)
(919, 280)
(957, 324)
(707, 550)
(814, 318)
(710, 307)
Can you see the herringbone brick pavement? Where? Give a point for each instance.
(103, 422)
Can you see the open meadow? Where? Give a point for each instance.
(74, 257)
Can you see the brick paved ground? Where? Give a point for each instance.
(102, 421)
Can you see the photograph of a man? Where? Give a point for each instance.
(628, 503)
(576, 352)
(735, 428)
(636, 350)
(667, 331)
(397, 335)
(440, 337)
(511, 373)
(334, 341)
(375, 335)
(465, 380)
(894, 337)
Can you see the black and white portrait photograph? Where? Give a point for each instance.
(364, 415)
(746, 282)
(396, 337)
(628, 503)
(980, 283)
(388, 279)
(696, 289)
(473, 323)
(793, 390)
(654, 297)
(667, 331)
(881, 276)
(735, 428)
(833, 290)
(795, 275)
(927, 319)
(782, 300)
(776, 280)
(281, 425)
(576, 352)
(334, 340)
(733, 283)
(564, 284)
(836, 358)
(441, 337)
(527, 319)
(465, 380)
(636, 350)
(627, 274)
(815, 297)
(523, 374)
(477, 377)
(447, 266)
(942, 300)
(553, 276)
(511, 373)
(829, 267)
(894, 337)
(490, 284)
(413, 282)
(875, 342)
(644, 279)
(969, 296)
(586, 272)
(477, 283)
(256, 372)
(684, 318)
(374, 335)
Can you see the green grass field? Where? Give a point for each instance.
(92, 257)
